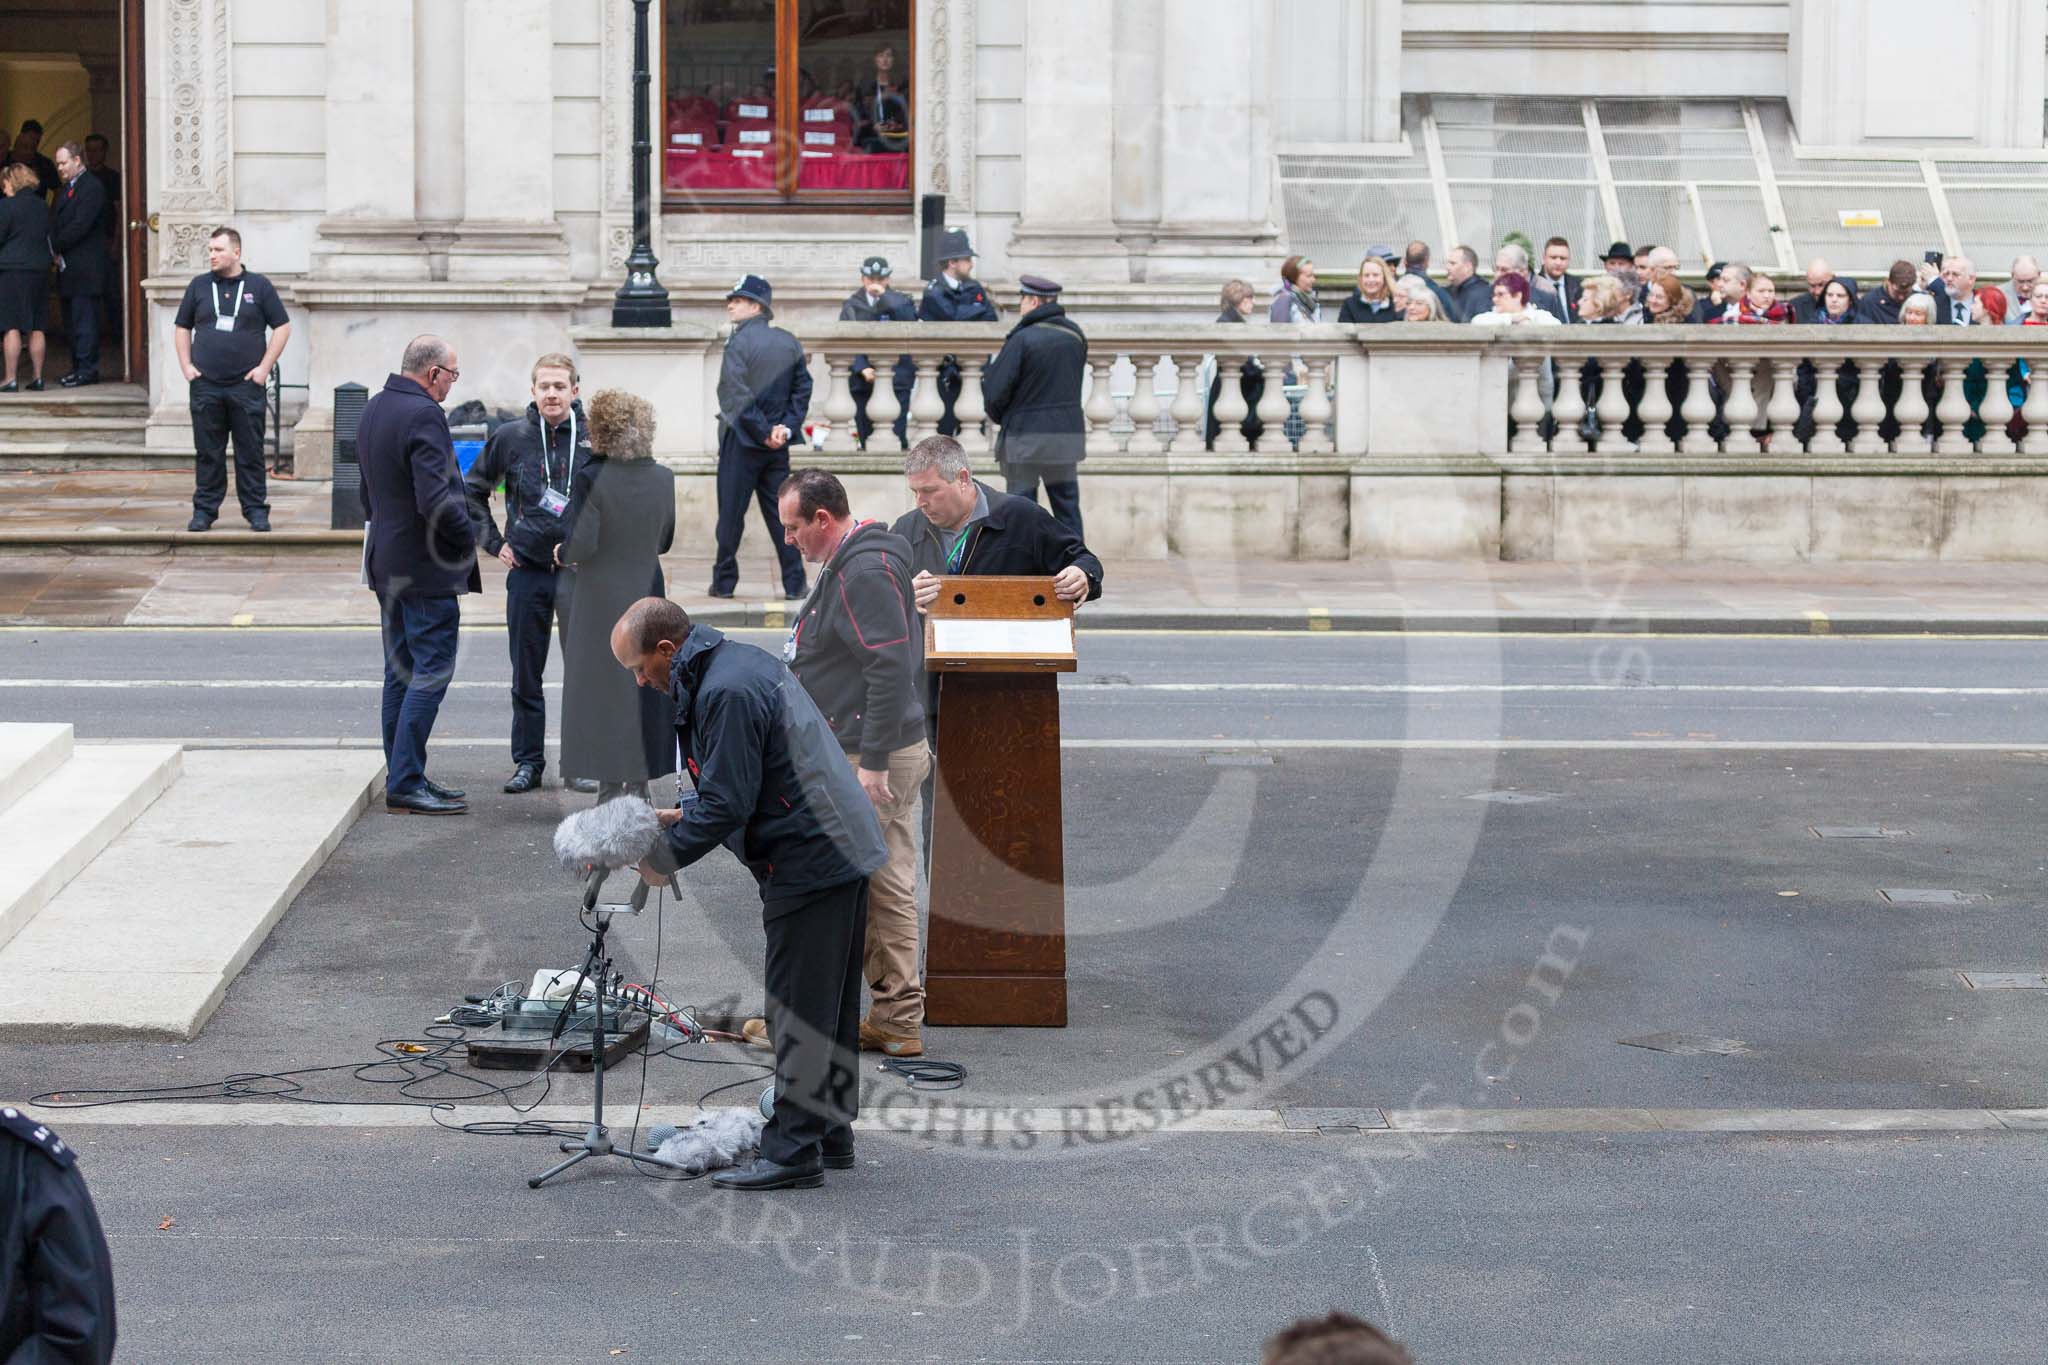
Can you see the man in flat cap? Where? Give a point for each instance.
(875, 301)
(764, 390)
(1033, 388)
(955, 296)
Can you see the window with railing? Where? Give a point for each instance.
(786, 102)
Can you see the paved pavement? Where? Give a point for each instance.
(129, 565)
(1569, 891)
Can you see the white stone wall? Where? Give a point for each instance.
(577, 33)
(279, 72)
(1000, 126)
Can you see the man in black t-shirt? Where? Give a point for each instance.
(226, 359)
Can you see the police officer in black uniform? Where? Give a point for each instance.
(955, 296)
(764, 390)
(875, 301)
(535, 459)
(1033, 389)
(56, 1278)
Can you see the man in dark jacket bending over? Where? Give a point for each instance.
(773, 786)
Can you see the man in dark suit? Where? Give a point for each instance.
(1033, 388)
(26, 146)
(764, 390)
(1557, 292)
(110, 222)
(875, 301)
(419, 556)
(1471, 292)
(80, 241)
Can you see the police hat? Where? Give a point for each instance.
(755, 288)
(953, 245)
(875, 267)
(1038, 285)
(1384, 253)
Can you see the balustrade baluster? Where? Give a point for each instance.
(1655, 409)
(1100, 409)
(926, 407)
(968, 409)
(1230, 407)
(1952, 411)
(1827, 404)
(883, 405)
(1697, 410)
(1187, 407)
(1316, 410)
(1996, 410)
(1611, 409)
(1567, 408)
(1273, 407)
(2035, 411)
(1739, 409)
(839, 408)
(1910, 410)
(1144, 410)
(1525, 406)
(1781, 414)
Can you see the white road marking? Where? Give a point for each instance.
(1224, 745)
(1363, 1123)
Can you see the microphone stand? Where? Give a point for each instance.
(597, 964)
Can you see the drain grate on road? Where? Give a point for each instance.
(2005, 981)
(1858, 832)
(1689, 1045)
(1911, 895)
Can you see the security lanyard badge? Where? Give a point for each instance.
(554, 501)
(225, 322)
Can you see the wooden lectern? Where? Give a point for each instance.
(996, 953)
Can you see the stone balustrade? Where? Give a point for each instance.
(1434, 440)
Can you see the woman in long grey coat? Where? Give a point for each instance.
(621, 519)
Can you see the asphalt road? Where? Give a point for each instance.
(1495, 927)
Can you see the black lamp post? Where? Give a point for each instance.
(641, 301)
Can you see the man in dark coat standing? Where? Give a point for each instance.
(875, 301)
(1033, 389)
(962, 526)
(773, 786)
(56, 1279)
(764, 390)
(95, 147)
(81, 246)
(955, 296)
(419, 556)
(229, 330)
(535, 460)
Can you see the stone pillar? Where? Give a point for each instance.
(509, 229)
(371, 230)
(1067, 228)
(1216, 147)
(1135, 166)
(1846, 91)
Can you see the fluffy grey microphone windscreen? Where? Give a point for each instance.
(618, 833)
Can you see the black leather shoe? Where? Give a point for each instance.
(434, 788)
(763, 1174)
(524, 779)
(35, 386)
(259, 521)
(585, 785)
(422, 802)
(200, 522)
(839, 1159)
(10, 387)
(716, 593)
(78, 381)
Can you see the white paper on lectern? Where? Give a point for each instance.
(953, 636)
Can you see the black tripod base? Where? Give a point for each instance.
(597, 1142)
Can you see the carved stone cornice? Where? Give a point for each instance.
(192, 160)
(945, 96)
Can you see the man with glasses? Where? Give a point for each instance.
(2026, 273)
(419, 556)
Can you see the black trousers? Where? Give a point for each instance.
(223, 409)
(814, 964)
(82, 322)
(949, 391)
(533, 602)
(1062, 489)
(746, 475)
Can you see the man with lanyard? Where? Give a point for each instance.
(856, 647)
(875, 301)
(226, 359)
(962, 526)
(535, 460)
(955, 296)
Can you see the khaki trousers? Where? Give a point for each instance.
(891, 959)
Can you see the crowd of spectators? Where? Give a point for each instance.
(1643, 286)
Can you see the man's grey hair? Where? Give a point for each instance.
(942, 453)
(1515, 254)
(1662, 258)
(2019, 261)
(1737, 272)
(422, 353)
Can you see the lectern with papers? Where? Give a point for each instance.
(996, 953)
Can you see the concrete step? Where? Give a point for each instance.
(52, 832)
(144, 942)
(28, 754)
(63, 456)
(95, 399)
(90, 430)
